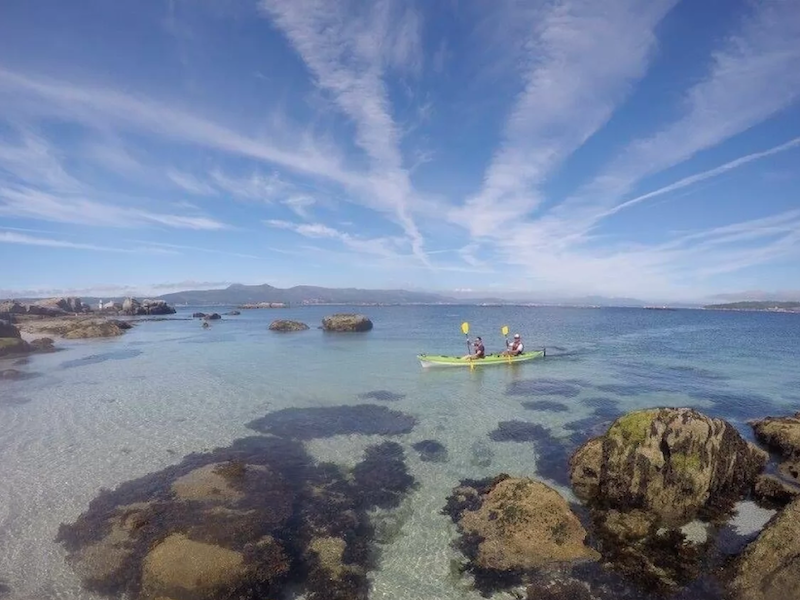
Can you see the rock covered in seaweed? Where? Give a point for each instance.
(782, 434)
(769, 569)
(675, 463)
(513, 526)
(346, 322)
(239, 522)
(287, 325)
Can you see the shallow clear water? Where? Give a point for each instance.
(103, 412)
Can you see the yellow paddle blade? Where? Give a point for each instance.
(504, 330)
(465, 328)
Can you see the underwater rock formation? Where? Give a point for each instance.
(431, 451)
(246, 521)
(327, 421)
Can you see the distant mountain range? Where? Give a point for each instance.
(302, 294)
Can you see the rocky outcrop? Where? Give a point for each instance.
(653, 472)
(77, 328)
(515, 525)
(782, 435)
(12, 307)
(11, 342)
(674, 463)
(346, 322)
(8, 330)
(212, 317)
(133, 307)
(255, 305)
(285, 325)
(233, 313)
(769, 568)
(44, 344)
(198, 315)
(70, 305)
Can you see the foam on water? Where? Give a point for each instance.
(167, 389)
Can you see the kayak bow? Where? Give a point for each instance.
(435, 360)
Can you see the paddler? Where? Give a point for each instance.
(478, 351)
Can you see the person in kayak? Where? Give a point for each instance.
(478, 351)
(515, 348)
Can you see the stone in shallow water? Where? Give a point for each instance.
(100, 358)
(382, 396)
(519, 431)
(327, 421)
(513, 526)
(431, 451)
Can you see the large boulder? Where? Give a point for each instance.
(286, 325)
(8, 330)
(674, 463)
(130, 306)
(64, 305)
(516, 525)
(346, 322)
(12, 307)
(782, 435)
(11, 346)
(769, 568)
(133, 307)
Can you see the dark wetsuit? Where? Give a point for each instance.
(480, 351)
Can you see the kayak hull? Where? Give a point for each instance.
(434, 360)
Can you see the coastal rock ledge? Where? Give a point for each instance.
(346, 322)
(286, 325)
(782, 435)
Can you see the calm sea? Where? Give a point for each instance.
(103, 412)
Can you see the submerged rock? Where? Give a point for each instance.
(13, 346)
(769, 568)
(249, 521)
(431, 451)
(782, 435)
(674, 463)
(286, 325)
(346, 322)
(513, 526)
(327, 421)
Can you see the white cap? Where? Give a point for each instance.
(516, 335)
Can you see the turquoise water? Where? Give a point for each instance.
(103, 412)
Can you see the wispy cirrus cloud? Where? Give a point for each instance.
(31, 203)
(387, 247)
(583, 58)
(751, 77)
(348, 48)
(11, 237)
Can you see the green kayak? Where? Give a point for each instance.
(433, 360)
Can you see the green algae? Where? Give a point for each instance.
(633, 428)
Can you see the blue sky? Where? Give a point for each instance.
(556, 148)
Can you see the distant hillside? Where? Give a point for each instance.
(768, 305)
(301, 294)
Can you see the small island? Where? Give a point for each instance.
(758, 305)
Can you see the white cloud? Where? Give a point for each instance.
(387, 247)
(347, 48)
(9, 237)
(584, 56)
(189, 183)
(753, 76)
(35, 204)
